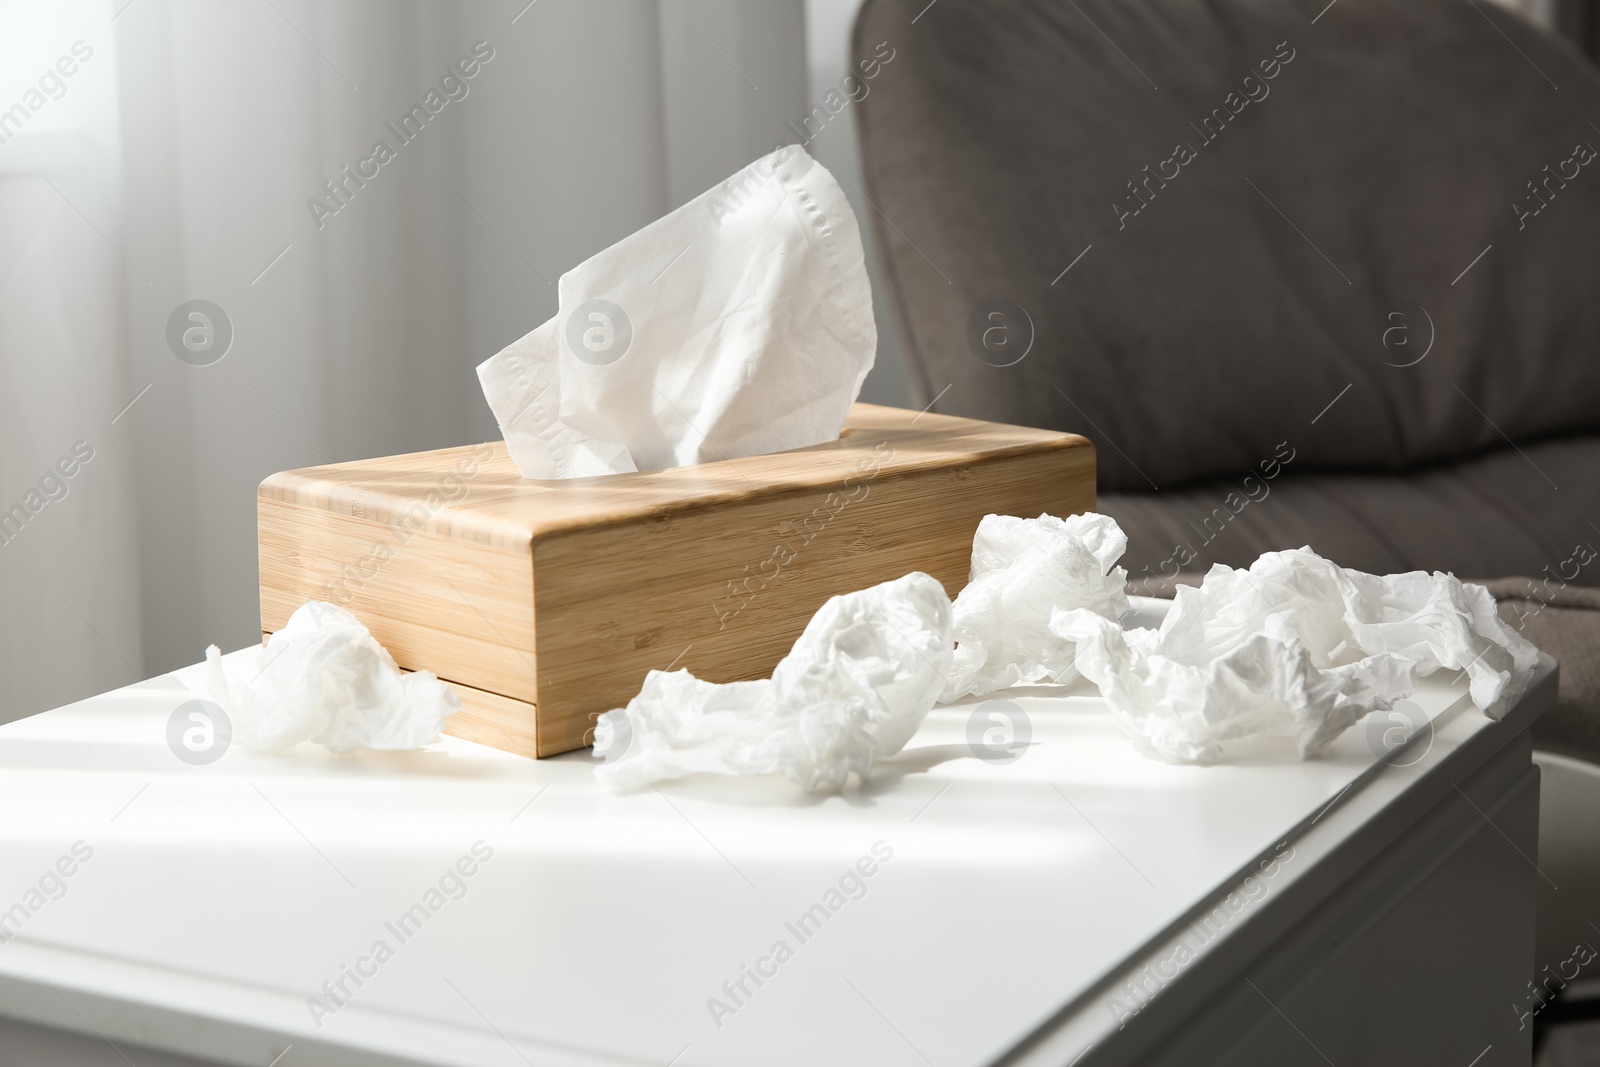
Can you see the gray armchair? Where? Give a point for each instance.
(1306, 272)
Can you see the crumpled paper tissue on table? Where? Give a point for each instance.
(1295, 646)
(323, 678)
(1022, 571)
(853, 689)
(737, 325)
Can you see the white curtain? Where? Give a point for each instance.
(177, 165)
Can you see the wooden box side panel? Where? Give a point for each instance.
(724, 591)
(459, 609)
(501, 722)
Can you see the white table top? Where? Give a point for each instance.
(219, 898)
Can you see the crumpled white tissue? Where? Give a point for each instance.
(853, 689)
(1295, 646)
(737, 325)
(323, 678)
(1023, 570)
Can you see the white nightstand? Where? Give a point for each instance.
(1011, 912)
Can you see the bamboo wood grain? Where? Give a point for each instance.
(555, 598)
(497, 721)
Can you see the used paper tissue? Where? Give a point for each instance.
(853, 689)
(737, 325)
(323, 678)
(1023, 570)
(1295, 646)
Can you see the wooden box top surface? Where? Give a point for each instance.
(474, 492)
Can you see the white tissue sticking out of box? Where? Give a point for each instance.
(852, 690)
(1295, 646)
(1023, 570)
(323, 678)
(737, 325)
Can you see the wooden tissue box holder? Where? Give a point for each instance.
(545, 603)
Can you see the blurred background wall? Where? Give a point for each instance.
(176, 163)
